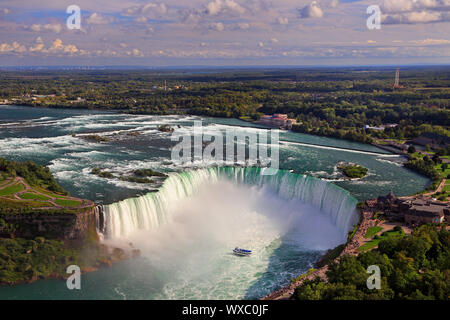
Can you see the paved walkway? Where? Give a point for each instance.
(50, 201)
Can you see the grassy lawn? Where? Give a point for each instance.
(372, 231)
(49, 193)
(447, 187)
(385, 235)
(33, 196)
(12, 189)
(443, 173)
(15, 204)
(67, 203)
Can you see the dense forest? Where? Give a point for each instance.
(335, 102)
(413, 267)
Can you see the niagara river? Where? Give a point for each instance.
(186, 225)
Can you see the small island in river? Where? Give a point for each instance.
(353, 171)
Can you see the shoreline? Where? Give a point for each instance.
(275, 295)
(115, 255)
(351, 248)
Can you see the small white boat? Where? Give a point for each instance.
(241, 252)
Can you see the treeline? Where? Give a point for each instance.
(427, 165)
(313, 125)
(34, 174)
(329, 102)
(413, 267)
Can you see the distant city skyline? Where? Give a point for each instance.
(224, 33)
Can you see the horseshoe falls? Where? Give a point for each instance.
(187, 229)
(154, 209)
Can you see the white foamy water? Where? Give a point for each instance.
(197, 217)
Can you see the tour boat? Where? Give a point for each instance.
(242, 252)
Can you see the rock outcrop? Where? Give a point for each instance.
(51, 224)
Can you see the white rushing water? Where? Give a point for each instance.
(155, 209)
(187, 229)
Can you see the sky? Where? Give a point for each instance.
(224, 33)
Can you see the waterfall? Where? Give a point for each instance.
(122, 218)
(100, 221)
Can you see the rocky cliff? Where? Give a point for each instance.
(50, 224)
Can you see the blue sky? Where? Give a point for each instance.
(224, 32)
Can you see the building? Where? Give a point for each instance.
(380, 128)
(433, 140)
(277, 120)
(413, 211)
(421, 212)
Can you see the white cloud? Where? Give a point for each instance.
(312, 10)
(217, 7)
(431, 41)
(334, 3)
(396, 6)
(415, 17)
(54, 27)
(243, 26)
(6, 11)
(39, 45)
(135, 52)
(415, 11)
(147, 10)
(159, 8)
(58, 47)
(283, 21)
(96, 18)
(141, 19)
(15, 47)
(217, 26)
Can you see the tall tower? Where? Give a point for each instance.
(397, 78)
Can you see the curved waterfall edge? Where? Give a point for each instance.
(120, 219)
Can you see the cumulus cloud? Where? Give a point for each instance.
(15, 47)
(396, 6)
(312, 10)
(96, 18)
(283, 21)
(415, 11)
(135, 52)
(141, 19)
(147, 10)
(334, 3)
(54, 27)
(217, 26)
(217, 7)
(39, 45)
(243, 26)
(225, 9)
(431, 41)
(59, 47)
